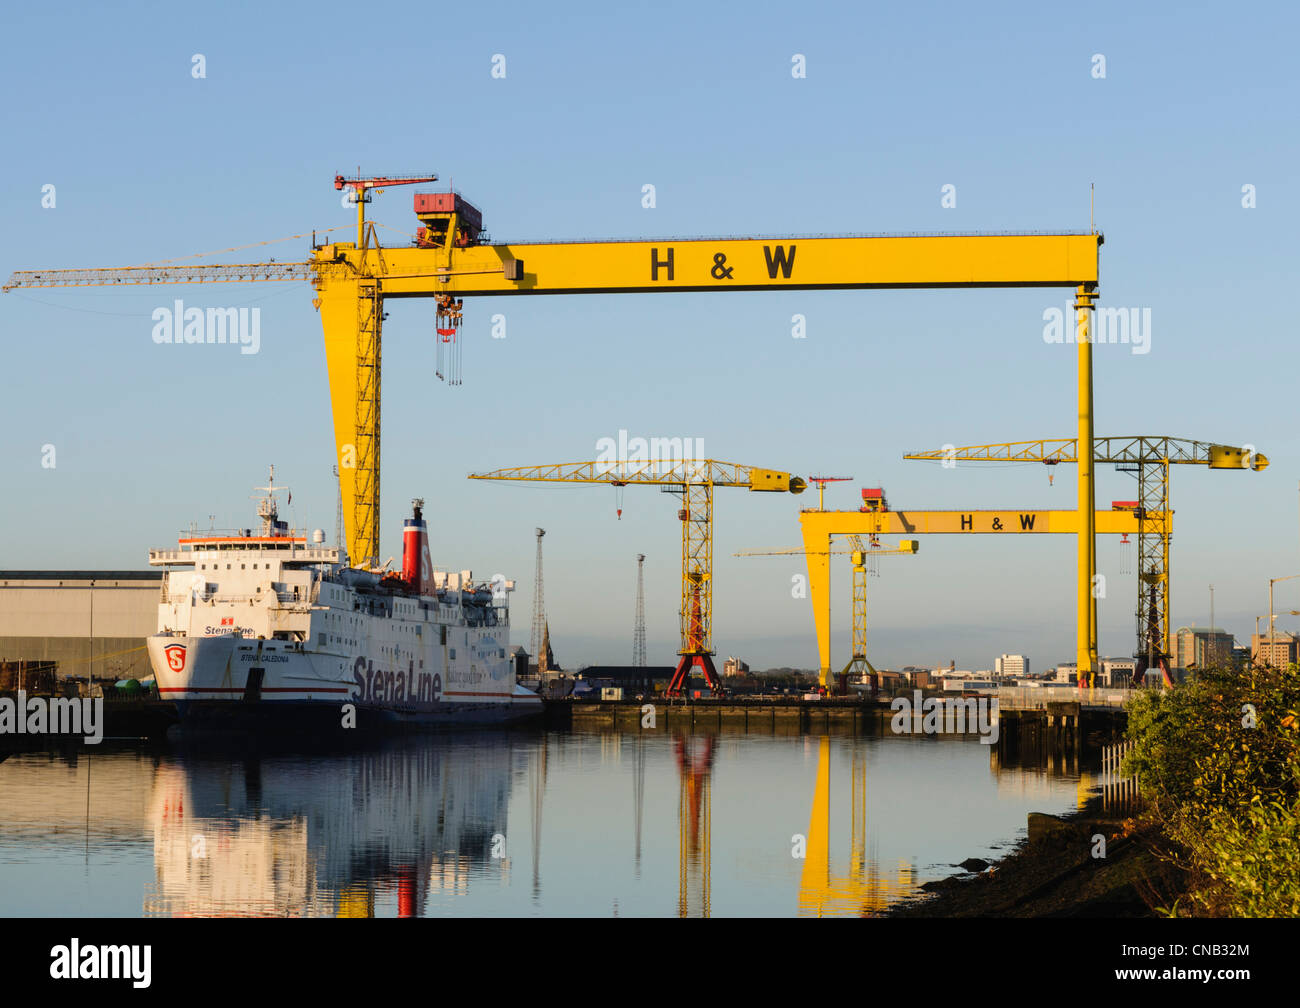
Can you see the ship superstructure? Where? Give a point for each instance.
(269, 630)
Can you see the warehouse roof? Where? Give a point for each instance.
(81, 575)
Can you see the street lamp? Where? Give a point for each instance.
(1272, 617)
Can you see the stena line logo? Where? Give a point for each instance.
(175, 655)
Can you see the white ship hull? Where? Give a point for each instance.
(229, 679)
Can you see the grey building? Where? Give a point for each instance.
(93, 623)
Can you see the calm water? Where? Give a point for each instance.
(511, 824)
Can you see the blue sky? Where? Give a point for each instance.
(150, 163)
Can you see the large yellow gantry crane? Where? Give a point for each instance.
(695, 480)
(1149, 458)
(450, 259)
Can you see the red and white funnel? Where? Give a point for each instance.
(417, 566)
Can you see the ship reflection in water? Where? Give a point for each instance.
(306, 836)
(512, 824)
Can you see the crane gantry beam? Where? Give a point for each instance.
(451, 258)
(1150, 458)
(695, 480)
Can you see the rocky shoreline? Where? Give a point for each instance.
(1054, 872)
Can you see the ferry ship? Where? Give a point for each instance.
(269, 632)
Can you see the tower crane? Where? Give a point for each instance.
(858, 663)
(695, 480)
(1149, 458)
(451, 258)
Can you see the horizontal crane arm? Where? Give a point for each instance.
(891, 551)
(1132, 449)
(659, 473)
(111, 276)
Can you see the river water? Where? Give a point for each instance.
(511, 824)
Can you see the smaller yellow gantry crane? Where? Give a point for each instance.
(695, 480)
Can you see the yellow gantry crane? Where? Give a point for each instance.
(859, 555)
(876, 518)
(1149, 458)
(695, 480)
(450, 258)
(822, 892)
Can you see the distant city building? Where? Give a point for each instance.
(1117, 671)
(1200, 647)
(969, 684)
(1066, 672)
(1280, 651)
(1011, 665)
(735, 667)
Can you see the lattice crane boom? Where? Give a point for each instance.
(695, 480)
(133, 276)
(1133, 448)
(1150, 458)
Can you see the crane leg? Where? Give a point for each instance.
(682, 675)
(1086, 616)
(351, 314)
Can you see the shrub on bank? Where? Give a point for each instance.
(1218, 757)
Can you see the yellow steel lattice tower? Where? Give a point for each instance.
(695, 480)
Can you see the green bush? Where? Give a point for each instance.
(1254, 863)
(1218, 758)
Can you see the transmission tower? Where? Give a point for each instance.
(638, 629)
(539, 606)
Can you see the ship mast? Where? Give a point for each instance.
(267, 507)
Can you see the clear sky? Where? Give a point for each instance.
(150, 162)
